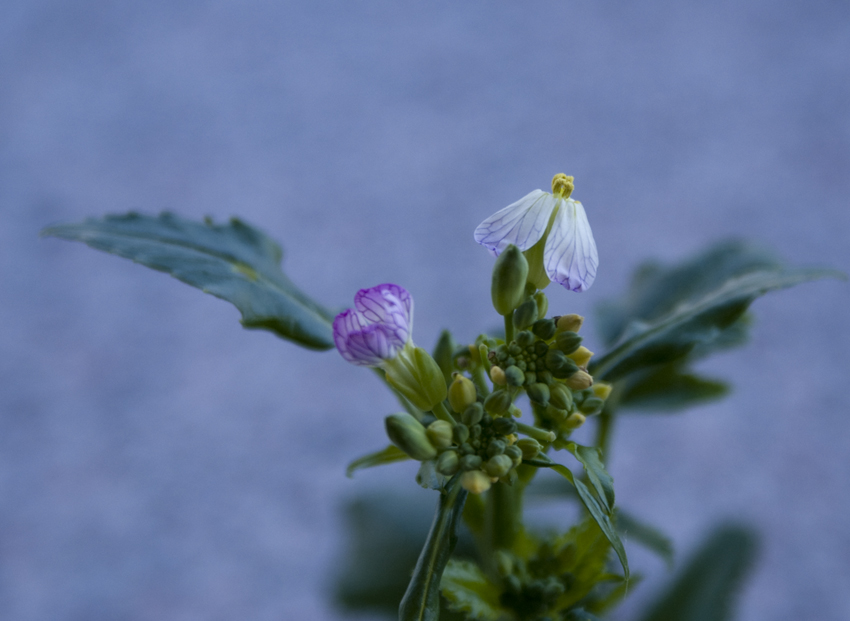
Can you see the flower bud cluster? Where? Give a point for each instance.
(529, 588)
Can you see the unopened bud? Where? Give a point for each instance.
(509, 276)
(473, 414)
(602, 390)
(592, 405)
(559, 365)
(443, 354)
(462, 393)
(582, 356)
(560, 396)
(538, 393)
(470, 462)
(475, 481)
(526, 314)
(524, 339)
(542, 304)
(498, 376)
(530, 448)
(579, 381)
(567, 342)
(460, 433)
(409, 435)
(515, 453)
(498, 466)
(575, 420)
(416, 375)
(504, 426)
(496, 447)
(569, 323)
(543, 328)
(498, 402)
(448, 463)
(440, 434)
(514, 376)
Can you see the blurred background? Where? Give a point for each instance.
(159, 462)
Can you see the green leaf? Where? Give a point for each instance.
(580, 614)
(444, 354)
(591, 459)
(234, 262)
(468, 590)
(648, 536)
(698, 321)
(592, 504)
(706, 588)
(668, 388)
(388, 455)
(421, 601)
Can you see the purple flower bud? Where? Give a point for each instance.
(377, 328)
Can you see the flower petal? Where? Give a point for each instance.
(521, 224)
(570, 256)
(387, 304)
(364, 344)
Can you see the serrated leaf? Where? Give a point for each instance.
(467, 589)
(234, 262)
(706, 588)
(389, 455)
(667, 388)
(591, 459)
(646, 535)
(421, 601)
(695, 322)
(602, 517)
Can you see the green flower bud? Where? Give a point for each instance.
(498, 466)
(524, 339)
(530, 448)
(514, 376)
(538, 393)
(544, 377)
(526, 314)
(504, 426)
(602, 390)
(560, 396)
(530, 377)
(498, 402)
(462, 393)
(569, 323)
(440, 434)
(498, 376)
(448, 463)
(475, 482)
(470, 462)
(582, 356)
(472, 415)
(514, 350)
(460, 433)
(409, 435)
(542, 304)
(540, 348)
(496, 447)
(575, 420)
(467, 449)
(579, 381)
(543, 328)
(558, 363)
(443, 354)
(515, 453)
(592, 405)
(416, 375)
(509, 276)
(567, 342)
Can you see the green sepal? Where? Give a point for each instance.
(233, 261)
(389, 455)
(509, 274)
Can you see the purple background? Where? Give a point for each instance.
(159, 462)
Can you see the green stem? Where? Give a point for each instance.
(603, 433)
(541, 435)
(442, 413)
(480, 381)
(502, 516)
(509, 327)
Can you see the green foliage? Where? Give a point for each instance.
(705, 589)
(421, 601)
(468, 590)
(675, 312)
(234, 262)
(648, 536)
(389, 455)
(591, 459)
(668, 388)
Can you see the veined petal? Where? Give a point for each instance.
(521, 224)
(387, 304)
(362, 343)
(570, 256)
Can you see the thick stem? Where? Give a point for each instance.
(509, 327)
(502, 516)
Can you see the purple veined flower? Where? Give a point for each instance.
(557, 222)
(377, 328)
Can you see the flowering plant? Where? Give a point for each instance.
(463, 405)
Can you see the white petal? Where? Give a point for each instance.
(570, 256)
(521, 224)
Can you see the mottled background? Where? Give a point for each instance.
(159, 462)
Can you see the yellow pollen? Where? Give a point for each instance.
(562, 186)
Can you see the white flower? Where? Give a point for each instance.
(556, 220)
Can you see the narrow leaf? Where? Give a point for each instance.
(591, 459)
(388, 455)
(592, 504)
(421, 602)
(234, 262)
(468, 590)
(648, 536)
(706, 589)
(667, 389)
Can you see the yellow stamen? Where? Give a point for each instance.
(562, 186)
